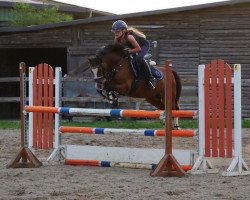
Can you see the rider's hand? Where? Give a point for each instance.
(126, 52)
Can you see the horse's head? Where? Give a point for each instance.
(104, 62)
(106, 58)
(111, 54)
(95, 63)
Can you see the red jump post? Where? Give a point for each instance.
(168, 165)
(24, 158)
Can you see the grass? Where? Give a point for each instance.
(246, 123)
(133, 124)
(117, 124)
(9, 124)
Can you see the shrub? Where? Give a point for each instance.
(27, 15)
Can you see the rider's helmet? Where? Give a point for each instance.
(119, 25)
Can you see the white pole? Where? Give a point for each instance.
(31, 70)
(202, 164)
(57, 82)
(56, 154)
(237, 111)
(201, 110)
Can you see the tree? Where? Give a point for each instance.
(27, 15)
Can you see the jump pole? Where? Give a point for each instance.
(24, 158)
(142, 132)
(103, 156)
(168, 162)
(111, 112)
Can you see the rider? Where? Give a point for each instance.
(137, 43)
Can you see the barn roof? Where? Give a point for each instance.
(114, 17)
(39, 4)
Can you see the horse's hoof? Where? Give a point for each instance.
(176, 127)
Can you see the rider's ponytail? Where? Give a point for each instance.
(136, 32)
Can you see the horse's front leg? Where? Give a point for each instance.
(100, 89)
(114, 92)
(110, 95)
(113, 98)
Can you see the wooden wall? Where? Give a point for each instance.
(187, 38)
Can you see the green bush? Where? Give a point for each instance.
(27, 15)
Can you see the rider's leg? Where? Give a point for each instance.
(146, 68)
(145, 65)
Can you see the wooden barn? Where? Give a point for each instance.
(188, 36)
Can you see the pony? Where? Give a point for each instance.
(114, 75)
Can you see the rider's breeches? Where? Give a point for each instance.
(144, 50)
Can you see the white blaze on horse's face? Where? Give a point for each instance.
(98, 79)
(98, 86)
(94, 70)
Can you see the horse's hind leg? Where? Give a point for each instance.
(175, 106)
(176, 123)
(157, 102)
(176, 119)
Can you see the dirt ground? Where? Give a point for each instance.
(59, 181)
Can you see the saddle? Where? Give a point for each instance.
(139, 73)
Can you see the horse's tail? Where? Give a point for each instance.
(178, 89)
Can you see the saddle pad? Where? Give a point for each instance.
(156, 73)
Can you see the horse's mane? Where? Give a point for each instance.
(110, 48)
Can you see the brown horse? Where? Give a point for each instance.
(114, 76)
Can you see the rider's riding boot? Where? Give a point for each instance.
(151, 80)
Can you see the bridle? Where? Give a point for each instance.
(107, 72)
(110, 74)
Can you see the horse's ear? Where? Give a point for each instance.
(90, 58)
